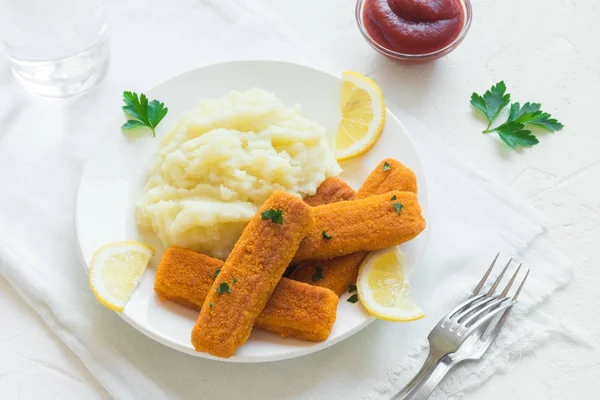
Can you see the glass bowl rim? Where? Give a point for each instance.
(468, 9)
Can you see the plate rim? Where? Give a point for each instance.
(424, 193)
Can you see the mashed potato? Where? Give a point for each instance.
(222, 161)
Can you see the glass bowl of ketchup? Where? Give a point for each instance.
(414, 31)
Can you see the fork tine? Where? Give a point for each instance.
(487, 274)
(512, 279)
(489, 316)
(502, 319)
(521, 286)
(467, 304)
(473, 307)
(496, 329)
(490, 305)
(498, 279)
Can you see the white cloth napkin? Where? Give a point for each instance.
(43, 145)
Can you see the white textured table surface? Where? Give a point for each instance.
(546, 51)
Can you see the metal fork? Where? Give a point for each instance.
(465, 333)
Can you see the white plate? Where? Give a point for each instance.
(116, 174)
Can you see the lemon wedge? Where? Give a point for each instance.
(363, 116)
(116, 270)
(383, 289)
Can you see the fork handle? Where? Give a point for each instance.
(429, 376)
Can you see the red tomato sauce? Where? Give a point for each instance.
(414, 26)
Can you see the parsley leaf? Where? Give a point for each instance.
(398, 207)
(317, 275)
(394, 197)
(530, 113)
(235, 280)
(516, 111)
(326, 235)
(216, 273)
(386, 166)
(545, 121)
(211, 304)
(352, 288)
(224, 287)
(513, 134)
(143, 113)
(492, 101)
(274, 215)
(132, 124)
(353, 298)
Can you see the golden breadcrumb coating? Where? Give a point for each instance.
(295, 309)
(397, 177)
(362, 225)
(257, 262)
(340, 272)
(337, 273)
(330, 191)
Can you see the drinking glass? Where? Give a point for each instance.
(56, 48)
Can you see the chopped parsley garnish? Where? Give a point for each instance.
(352, 288)
(398, 207)
(326, 235)
(224, 287)
(513, 132)
(386, 166)
(394, 197)
(274, 215)
(216, 273)
(353, 298)
(211, 304)
(235, 280)
(317, 276)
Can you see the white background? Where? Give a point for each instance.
(547, 51)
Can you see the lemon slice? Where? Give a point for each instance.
(363, 116)
(116, 270)
(383, 289)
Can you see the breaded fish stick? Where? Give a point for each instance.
(295, 309)
(299, 310)
(335, 274)
(340, 272)
(185, 277)
(331, 190)
(387, 176)
(362, 225)
(250, 274)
